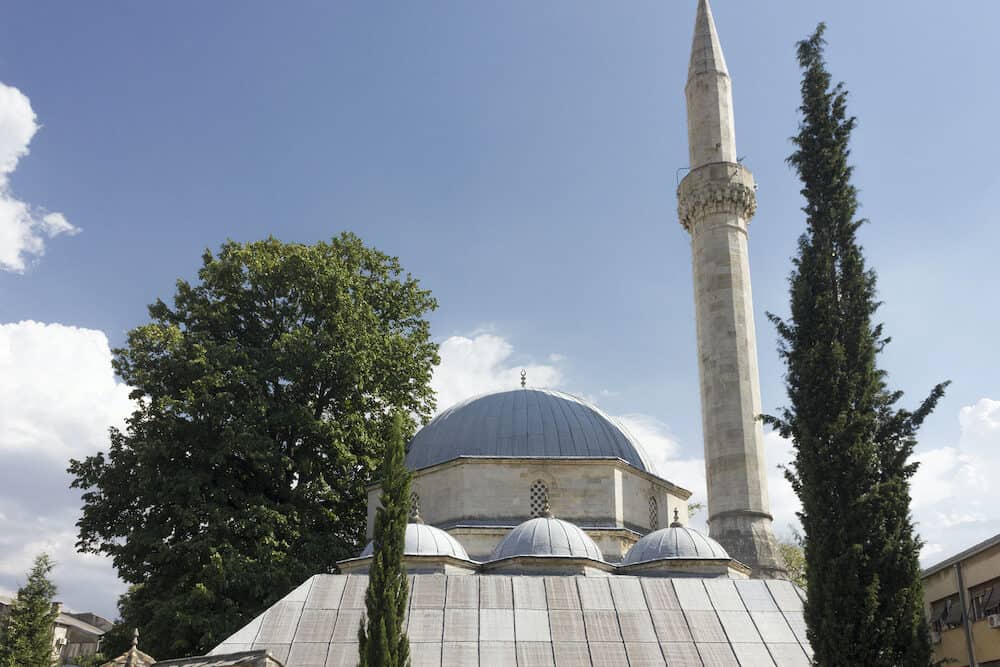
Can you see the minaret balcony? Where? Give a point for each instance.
(718, 187)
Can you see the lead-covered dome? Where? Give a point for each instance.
(523, 422)
(674, 542)
(424, 540)
(546, 536)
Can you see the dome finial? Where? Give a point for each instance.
(547, 509)
(524, 378)
(677, 519)
(415, 515)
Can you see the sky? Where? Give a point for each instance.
(521, 160)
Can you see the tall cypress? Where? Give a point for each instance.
(383, 643)
(851, 468)
(26, 632)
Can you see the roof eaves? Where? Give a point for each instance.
(963, 555)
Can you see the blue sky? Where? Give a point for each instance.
(521, 159)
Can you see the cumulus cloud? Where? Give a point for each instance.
(953, 490)
(24, 228)
(58, 396)
(481, 363)
(784, 503)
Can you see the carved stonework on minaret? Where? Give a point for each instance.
(715, 203)
(721, 187)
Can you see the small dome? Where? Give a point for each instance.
(523, 422)
(424, 540)
(674, 542)
(546, 536)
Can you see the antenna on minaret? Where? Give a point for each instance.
(524, 378)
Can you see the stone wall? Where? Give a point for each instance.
(478, 500)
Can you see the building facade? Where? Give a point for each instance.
(962, 601)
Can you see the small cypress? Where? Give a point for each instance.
(852, 467)
(383, 643)
(26, 632)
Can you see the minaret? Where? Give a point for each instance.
(715, 203)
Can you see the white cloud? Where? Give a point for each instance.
(58, 396)
(781, 497)
(23, 227)
(929, 551)
(481, 364)
(58, 392)
(953, 491)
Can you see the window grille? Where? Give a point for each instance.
(539, 498)
(414, 505)
(985, 600)
(654, 514)
(947, 613)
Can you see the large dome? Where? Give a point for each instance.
(523, 422)
(546, 536)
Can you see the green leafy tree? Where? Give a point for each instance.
(383, 643)
(263, 398)
(26, 632)
(795, 558)
(851, 468)
(95, 660)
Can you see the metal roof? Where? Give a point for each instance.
(546, 536)
(425, 540)
(674, 542)
(83, 626)
(552, 620)
(241, 659)
(523, 422)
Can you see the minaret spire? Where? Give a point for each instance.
(706, 49)
(709, 91)
(716, 201)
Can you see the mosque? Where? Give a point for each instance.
(541, 535)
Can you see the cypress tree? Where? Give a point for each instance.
(26, 632)
(383, 643)
(851, 468)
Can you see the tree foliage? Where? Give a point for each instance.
(263, 399)
(795, 559)
(95, 660)
(383, 643)
(851, 468)
(26, 632)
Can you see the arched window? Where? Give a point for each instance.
(414, 505)
(539, 497)
(654, 514)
